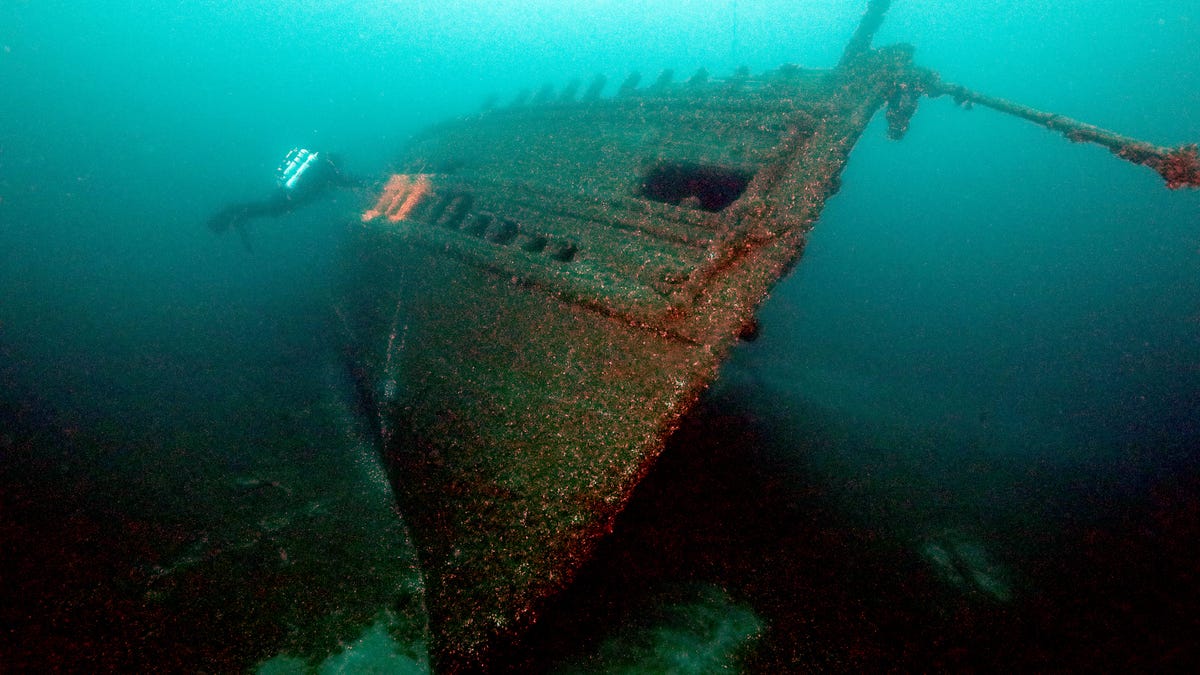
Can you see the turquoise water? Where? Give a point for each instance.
(967, 435)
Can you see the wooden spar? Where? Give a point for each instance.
(871, 21)
(1179, 167)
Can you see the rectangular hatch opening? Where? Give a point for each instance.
(704, 186)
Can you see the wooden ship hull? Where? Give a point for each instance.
(542, 290)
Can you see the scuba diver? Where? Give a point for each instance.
(301, 178)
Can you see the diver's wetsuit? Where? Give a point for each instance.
(319, 179)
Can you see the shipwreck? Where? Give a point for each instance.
(544, 288)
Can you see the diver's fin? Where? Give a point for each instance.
(245, 236)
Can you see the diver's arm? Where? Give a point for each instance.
(336, 177)
(346, 181)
